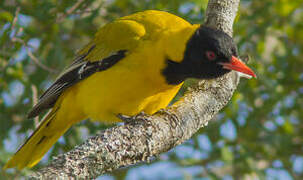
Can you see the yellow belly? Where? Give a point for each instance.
(104, 99)
(124, 89)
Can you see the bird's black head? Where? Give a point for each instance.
(209, 54)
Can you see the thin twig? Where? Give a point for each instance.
(36, 60)
(15, 20)
(70, 11)
(31, 55)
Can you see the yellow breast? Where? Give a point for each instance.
(135, 83)
(132, 85)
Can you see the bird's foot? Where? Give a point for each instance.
(140, 115)
(126, 119)
(165, 111)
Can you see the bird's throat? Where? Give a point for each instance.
(174, 72)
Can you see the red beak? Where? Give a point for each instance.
(237, 65)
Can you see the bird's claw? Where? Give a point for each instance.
(127, 119)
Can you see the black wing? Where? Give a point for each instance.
(77, 71)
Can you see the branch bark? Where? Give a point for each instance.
(149, 136)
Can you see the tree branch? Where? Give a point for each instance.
(149, 136)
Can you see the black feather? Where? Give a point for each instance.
(82, 69)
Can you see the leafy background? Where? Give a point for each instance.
(259, 135)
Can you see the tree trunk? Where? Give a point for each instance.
(149, 136)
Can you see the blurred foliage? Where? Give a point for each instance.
(258, 135)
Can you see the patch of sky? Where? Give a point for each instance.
(220, 116)
(200, 155)
(227, 177)
(279, 120)
(204, 143)
(295, 51)
(271, 69)
(228, 130)
(7, 99)
(238, 148)
(277, 164)
(220, 144)
(269, 125)
(246, 3)
(265, 96)
(24, 20)
(26, 101)
(45, 84)
(293, 119)
(16, 89)
(105, 177)
(215, 164)
(242, 113)
(46, 157)
(34, 43)
(289, 101)
(241, 120)
(11, 143)
(184, 151)
(74, 16)
(65, 37)
(298, 164)
(165, 156)
(12, 33)
(84, 132)
(203, 178)
(5, 27)
(277, 108)
(197, 16)
(190, 141)
(193, 170)
(61, 140)
(245, 46)
(186, 7)
(277, 174)
(20, 56)
(159, 170)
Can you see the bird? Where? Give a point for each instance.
(136, 63)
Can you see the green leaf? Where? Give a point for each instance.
(6, 16)
(227, 154)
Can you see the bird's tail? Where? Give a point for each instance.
(47, 133)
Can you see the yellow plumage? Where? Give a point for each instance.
(132, 85)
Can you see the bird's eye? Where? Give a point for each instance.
(210, 55)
